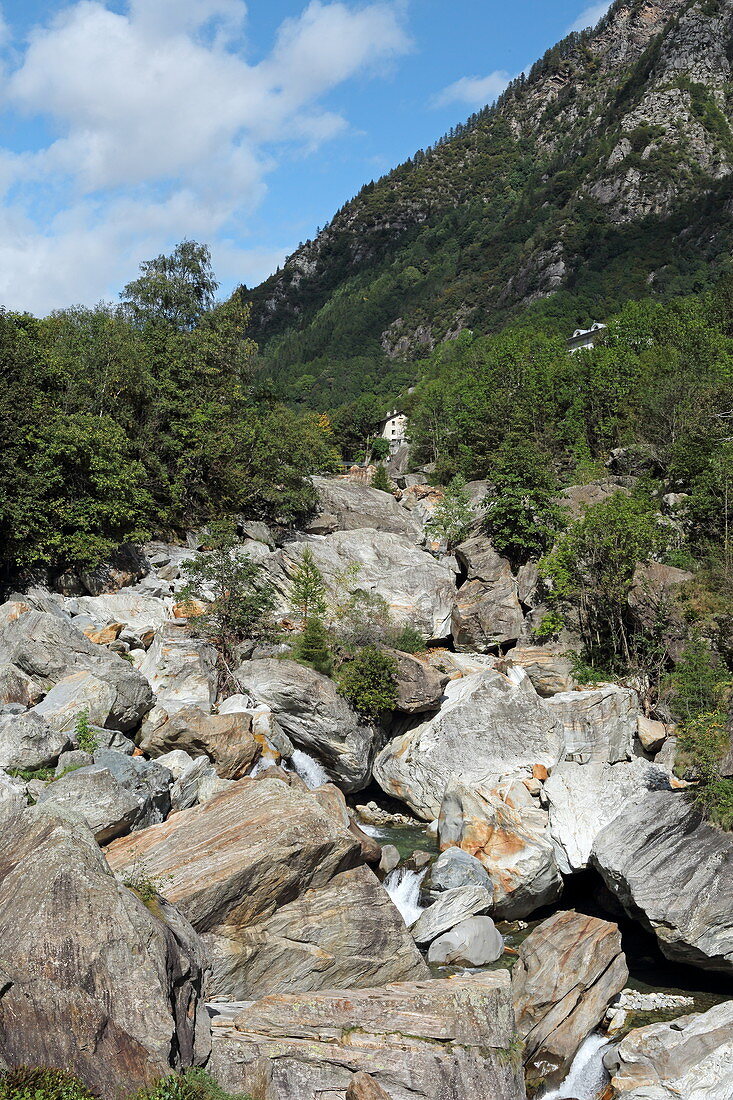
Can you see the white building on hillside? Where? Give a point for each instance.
(586, 337)
(394, 429)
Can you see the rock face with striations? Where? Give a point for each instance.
(90, 978)
(226, 739)
(568, 971)
(599, 723)
(674, 873)
(433, 1040)
(488, 612)
(488, 726)
(346, 506)
(50, 650)
(419, 590)
(688, 1059)
(506, 829)
(315, 716)
(271, 880)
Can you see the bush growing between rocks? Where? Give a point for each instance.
(84, 735)
(369, 682)
(703, 743)
(35, 1083)
(237, 598)
(380, 479)
(452, 519)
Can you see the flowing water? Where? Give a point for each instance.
(403, 886)
(587, 1077)
(309, 770)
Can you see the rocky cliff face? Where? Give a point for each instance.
(612, 127)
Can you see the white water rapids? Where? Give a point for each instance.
(309, 770)
(587, 1076)
(403, 886)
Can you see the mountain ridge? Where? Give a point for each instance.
(614, 128)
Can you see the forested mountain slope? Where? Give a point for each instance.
(604, 174)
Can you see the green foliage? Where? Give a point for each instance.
(34, 1083)
(379, 448)
(307, 588)
(118, 420)
(237, 596)
(406, 639)
(696, 682)
(143, 882)
(523, 516)
(549, 626)
(313, 647)
(590, 570)
(453, 517)
(369, 682)
(380, 479)
(703, 743)
(85, 737)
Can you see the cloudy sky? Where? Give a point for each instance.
(128, 125)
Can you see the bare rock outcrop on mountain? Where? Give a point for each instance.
(488, 612)
(347, 506)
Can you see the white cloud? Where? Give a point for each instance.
(590, 16)
(162, 128)
(473, 91)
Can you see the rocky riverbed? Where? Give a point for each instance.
(440, 904)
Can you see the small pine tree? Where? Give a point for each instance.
(380, 479)
(308, 589)
(452, 518)
(312, 646)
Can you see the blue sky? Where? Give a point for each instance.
(128, 125)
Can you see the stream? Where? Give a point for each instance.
(649, 970)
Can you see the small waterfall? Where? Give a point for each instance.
(370, 830)
(309, 770)
(587, 1076)
(403, 886)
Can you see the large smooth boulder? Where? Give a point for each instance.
(451, 907)
(474, 942)
(27, 741)
(506, 829)
(49, 649)
(668, 868)
(454, 867)
(488, 726)
(432, 1040)
(347, 506)
(315, 716)
(226, 739)
(180, 669)
(91, 979)
(141, 613)
(346, 933)
(690, 1058)
(419, 590)
(114, 795)
(568, 971)
(488, 612)
(584, 798)
(599, 722)
(247, 867)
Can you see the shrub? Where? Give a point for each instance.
(703, 743)
(32, 1083)
(237, 595)
(369, 682)
(312, 646)
(452, 518)
(406, 640)
(307, 588)
(380, 479)
(85, 737)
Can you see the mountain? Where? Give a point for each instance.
(603, 175)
